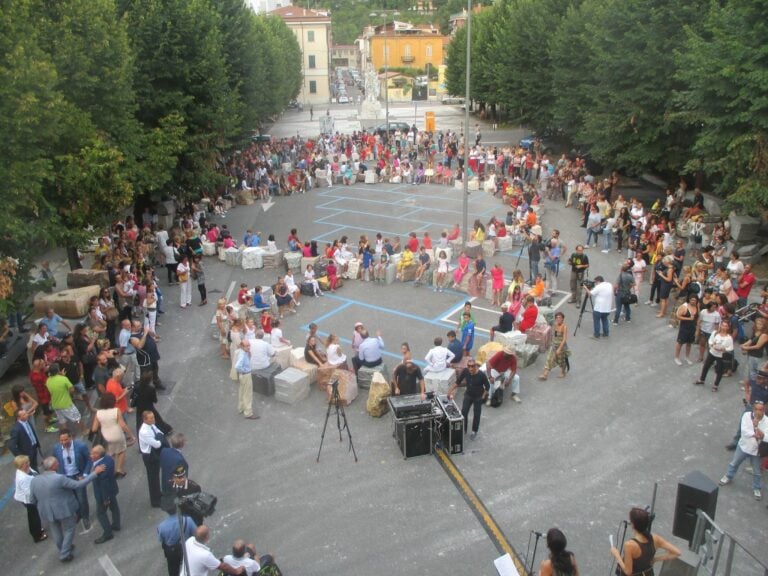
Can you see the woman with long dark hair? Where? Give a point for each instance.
(561, 562)
(640, 550)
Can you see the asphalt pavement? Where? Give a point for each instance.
(576, 454)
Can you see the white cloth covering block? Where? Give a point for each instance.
(370, 176)
(293, 261)
(252, 259)
(233, 257)
(504, 243)
(283, 356)
(515, 338)
(209, 248)
(391, 272)
(353, 269)
(440, 382)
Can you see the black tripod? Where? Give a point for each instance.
(587, 298)
(336, 401)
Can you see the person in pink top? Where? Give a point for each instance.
(497, 283)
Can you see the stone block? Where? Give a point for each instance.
(291, 386)
(307, 261)
(370, 177)
(283, 356)
(515, 338)
(440, 382)
(244, 197)
(474, 185)
(504, 243)
(272, 259)
(546, 315)
(233, 257)
(456, 245)
(252, 259)
(473, 249)
(293, 262)
(297, 354)
(540, 334)
(347, 385)
(390, 273)
(380, 390)
(309, 369)
(526, 355)
(87, 277)
(409, 273)
(365, 374)
(71, 303)
(209, 248)
(743, 228)
(489, 248)
(353, 269)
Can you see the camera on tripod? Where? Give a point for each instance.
(589, 284)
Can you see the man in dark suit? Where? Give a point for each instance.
(24, 440)
(173, 467)
(105, 493)
(57, 504)
(75, 463)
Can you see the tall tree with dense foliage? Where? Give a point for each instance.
(724, 69)
(182, 72)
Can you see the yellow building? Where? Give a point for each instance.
(313, 32)
(405, 45)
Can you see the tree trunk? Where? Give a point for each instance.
(74, 259)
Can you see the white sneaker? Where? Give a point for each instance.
(688, 360)
(516, 398)
(605, 251)
(757, 494)
(678, 362)
(724, 480)
(87, 527)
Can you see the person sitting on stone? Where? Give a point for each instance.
(405, 262)
(438, 358)
(424, 264)
(506, 321)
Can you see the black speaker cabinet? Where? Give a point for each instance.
(695, 492)
(414, 436)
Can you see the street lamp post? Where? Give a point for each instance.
(465, 199)
(386, 68)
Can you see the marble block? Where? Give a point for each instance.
(440, 382)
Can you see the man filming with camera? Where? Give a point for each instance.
(601, 293)
(579, 263)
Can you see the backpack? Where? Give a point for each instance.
(497, 398)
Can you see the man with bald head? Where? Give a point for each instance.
(201, 561)
(245, 556)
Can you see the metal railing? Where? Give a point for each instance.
(720, 554)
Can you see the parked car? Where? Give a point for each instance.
(344, 99)
(547, 146)
(452, 100)
(393, 127)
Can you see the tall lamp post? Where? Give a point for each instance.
(386, 67)
(465, 199)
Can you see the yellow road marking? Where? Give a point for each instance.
(479, 509)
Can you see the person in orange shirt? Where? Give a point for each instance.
(538, 288)
(530, 218)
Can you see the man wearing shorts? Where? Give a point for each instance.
(61, 390)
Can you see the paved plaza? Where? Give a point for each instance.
(576, 454)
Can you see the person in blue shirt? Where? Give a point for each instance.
(170, 539)
(258, 299)
(54, 322)
(367, 264)
(467, 333)
(251, 240)
(454, 345)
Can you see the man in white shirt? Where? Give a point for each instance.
(754, 426)
(602, 304)
(262, 352)
(150, 441)
(438, 358)
(244, 556)
(370, 351)
(201, 561)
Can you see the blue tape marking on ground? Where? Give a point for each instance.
(336, 212)
(400, 218)
(415, 211)
(333, 232)
(327, 204)
(450, 311)
(330, 313)
(390, 311)
(7, 497)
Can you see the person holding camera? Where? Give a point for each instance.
(602, 304)
(579, 263)
(624, 295)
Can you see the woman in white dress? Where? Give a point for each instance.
(309, 278)
(336, 358)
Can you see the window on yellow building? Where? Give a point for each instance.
(312, 63)
(310, 35)
(428, 51)
(313, 87)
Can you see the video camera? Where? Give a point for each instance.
(589, 284)
(201, 504)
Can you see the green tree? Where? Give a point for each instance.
(631, 55)
(723, 68)
(32, 119)
(181, 70)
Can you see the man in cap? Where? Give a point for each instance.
(501, 369)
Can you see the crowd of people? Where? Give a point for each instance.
(109, 363)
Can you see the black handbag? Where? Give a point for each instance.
(762, 449)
